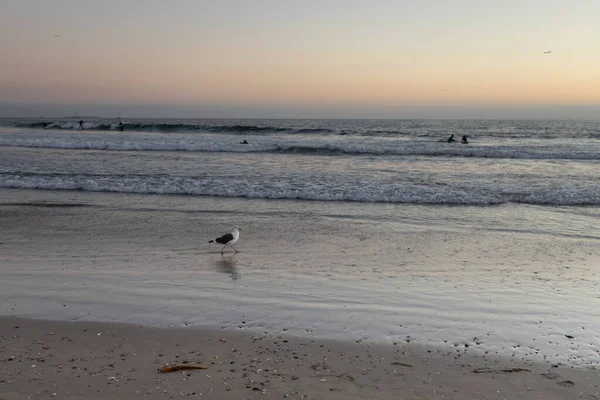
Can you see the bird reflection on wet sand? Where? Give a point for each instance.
(227, 265)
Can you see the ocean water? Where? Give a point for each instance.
(533, 162)
(376, 231)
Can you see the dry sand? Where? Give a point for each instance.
(89, 360)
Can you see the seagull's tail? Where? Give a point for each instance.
(211, 241)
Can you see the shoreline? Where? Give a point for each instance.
(478, 279)
(89, 360)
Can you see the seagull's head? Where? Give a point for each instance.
(237, 227)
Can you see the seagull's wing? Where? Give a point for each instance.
(225, 238)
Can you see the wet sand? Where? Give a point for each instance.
(315, 303)
(90, 360)
(507, 280)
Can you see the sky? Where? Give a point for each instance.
(301, 59)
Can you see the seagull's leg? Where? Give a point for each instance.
(223, 249)
(234, 249)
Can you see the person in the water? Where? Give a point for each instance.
(244, 142)
(464, 140)
(451, 138)
(81, 124)
(121, 126)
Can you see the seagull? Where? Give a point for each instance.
(56, 36)
(548, 52)
(228, 239)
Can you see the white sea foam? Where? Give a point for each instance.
(306, 189)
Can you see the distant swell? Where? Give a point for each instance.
(374, 193)
(364, 128)
(268, 145)
(314, 130)
(167, 127)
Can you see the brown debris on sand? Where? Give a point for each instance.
(401, 364)
(345, 376)
(499, 371)
(182, 367)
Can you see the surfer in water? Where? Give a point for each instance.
(244, 142)
(451, 138)
(81, 124)
(464, 140)
(121, 126)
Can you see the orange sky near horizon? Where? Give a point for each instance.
(462, 52)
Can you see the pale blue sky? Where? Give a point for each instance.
(303, 58)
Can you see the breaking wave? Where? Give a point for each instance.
(167, 127)
(370, 128)
(342, 191)
(382, 147)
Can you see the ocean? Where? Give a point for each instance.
(365, 230)
(394, 161)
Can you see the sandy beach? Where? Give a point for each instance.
(88, 360)
(335, 200)
(98, 291)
